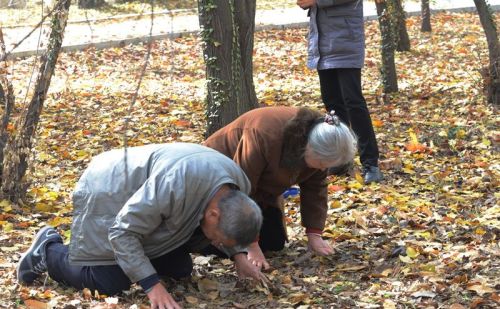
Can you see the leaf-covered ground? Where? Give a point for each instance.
(427, 237)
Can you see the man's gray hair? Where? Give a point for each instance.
(333, 142)
(240, 217)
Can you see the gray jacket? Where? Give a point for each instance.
(336, 35)
(155, 209)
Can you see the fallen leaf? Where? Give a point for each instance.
(35, 304)
(479, 288)
(192, 300)
(206, 285)
(428, 294)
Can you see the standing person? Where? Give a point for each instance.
(336, 49)
(278, 147)
(137, 216)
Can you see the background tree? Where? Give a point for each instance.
(492, 78)
(426, 17)
(227, 32)
(6, 102)
(388, 69)
(403, 40)
(18, 148)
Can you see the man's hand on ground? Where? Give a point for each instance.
(256, 257)
(161, 299)
(318, 245)
(245, 269)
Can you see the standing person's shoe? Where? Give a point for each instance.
(33, 262)
(372, 174)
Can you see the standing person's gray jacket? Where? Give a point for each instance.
(336, 35)
(129, 218)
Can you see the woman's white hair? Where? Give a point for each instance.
(333, 142)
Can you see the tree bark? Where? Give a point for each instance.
(403, 40)
(426, 17)
(492, 81)
(19, 146)
(227, 32)
(6, 103)
(388, 69)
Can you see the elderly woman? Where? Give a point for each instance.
(278, 147)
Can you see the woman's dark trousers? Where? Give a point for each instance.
(341, 91)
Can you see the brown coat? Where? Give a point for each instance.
(255, 142)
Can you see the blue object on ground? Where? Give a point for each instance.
(291, 192)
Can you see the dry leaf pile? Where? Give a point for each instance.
(427, 237)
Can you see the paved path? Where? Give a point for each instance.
(110, 33)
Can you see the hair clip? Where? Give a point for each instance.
(332, 119)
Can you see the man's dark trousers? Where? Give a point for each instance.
(110, 279)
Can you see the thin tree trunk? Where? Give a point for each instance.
(388, 70)
(426, 17)
(6, 103)
(19, 146)
(492, 82)
(403, 40)
(227, 33)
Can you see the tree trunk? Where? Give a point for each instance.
(90, 4)
(6, 103)
(388, 70)
(426, 17)
(403, 41)
(227, 33)
(19, 146)
(492, 82)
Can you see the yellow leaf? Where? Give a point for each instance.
(58, 221)
(428, 268)
(426, 235)
(405, 259)
(359, 178)
(413, 137)
(355, 185)
(43, 207)
(5, 205)
(480, 231)
(7, 227)
(412, 253)
(335, 204)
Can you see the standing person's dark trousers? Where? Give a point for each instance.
(341, 92)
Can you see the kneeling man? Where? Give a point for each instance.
(139, 213)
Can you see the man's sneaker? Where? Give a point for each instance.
(33, 262)
(372, 174)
